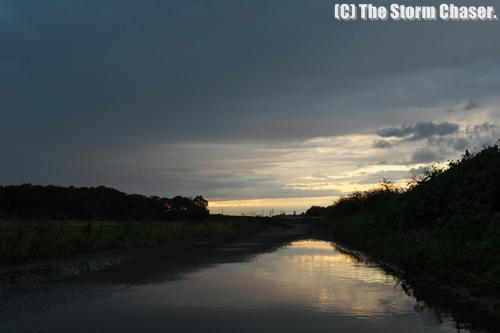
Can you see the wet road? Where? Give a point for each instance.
(280, 280)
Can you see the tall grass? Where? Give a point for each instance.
(21, 240)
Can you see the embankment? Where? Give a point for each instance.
(443, 232)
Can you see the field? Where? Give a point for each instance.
(21, 240)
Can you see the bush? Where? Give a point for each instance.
(444, 226)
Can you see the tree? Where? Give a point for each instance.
(182, 208)
(199, 201)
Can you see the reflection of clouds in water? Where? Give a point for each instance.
(330, 281)
(307, 286)
(309, 274)
(311, 244)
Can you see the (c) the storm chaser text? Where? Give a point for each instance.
(399, 12)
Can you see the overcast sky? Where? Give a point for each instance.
(253, 104)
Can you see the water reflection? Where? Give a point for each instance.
(305, 276)
(307, 286)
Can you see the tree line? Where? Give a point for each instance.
(35, 202)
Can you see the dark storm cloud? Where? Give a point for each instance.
(439, 148)
(97, 77)
(421, 130)
(184, 70)
(472, 137)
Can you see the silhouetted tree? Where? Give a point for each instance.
(32, 202)
(181, 208)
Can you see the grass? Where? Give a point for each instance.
(445, 227)
(21, 240)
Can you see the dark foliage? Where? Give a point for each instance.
(357, 202)
(180, 208)
(32, 202)
(446, 225)
(316, 211)
(468, 187)
(362, 201)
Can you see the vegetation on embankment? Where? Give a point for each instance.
(445, 227)
(21, 240)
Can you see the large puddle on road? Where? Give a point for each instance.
(308, 286)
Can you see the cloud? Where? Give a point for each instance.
(470, 137)
(319, 175)
(276, 82)
(232, 100)
(471, 105)
(478, 130)
(420, 130)
(418, 171)
(425, 156)
(460, 144)
(378, 177)
(382, 144)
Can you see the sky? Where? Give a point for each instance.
(256, 105)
